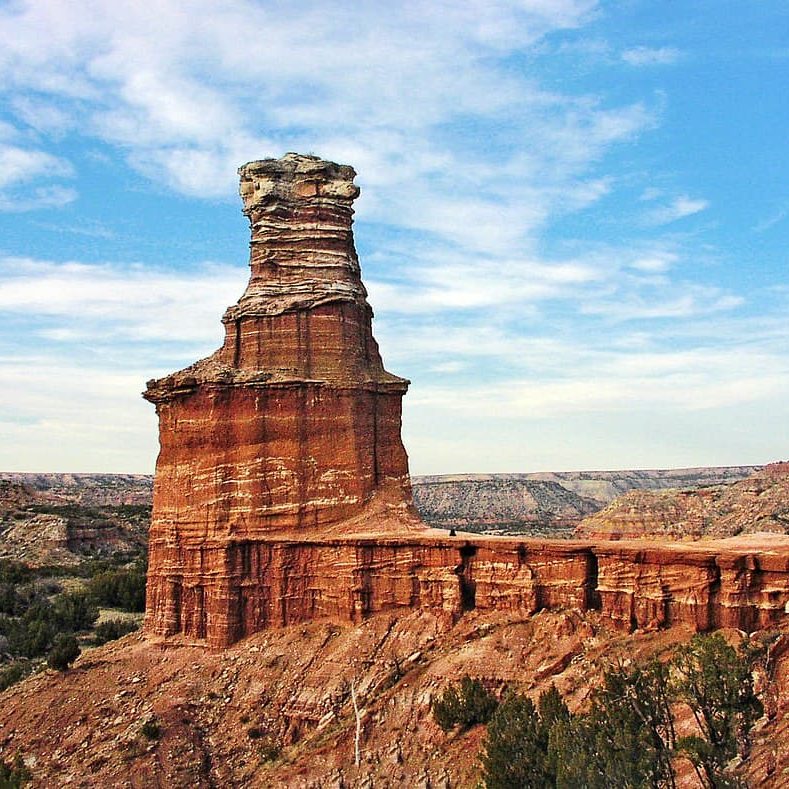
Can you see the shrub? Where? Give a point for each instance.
(65, 651)
(123, 589)
(625, 739)
(74, 611)
(14, 775)
(112, 629)
(30, 636)
(12, 572)
(715, 681)
(151, 729)
(464, 705)
(269, 750)
(17, 671)
(516, 750)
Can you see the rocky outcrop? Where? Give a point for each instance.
(501, 504)
(282, 493)
(759, 503)
(293, 426)
(88, 490)
(40, 527)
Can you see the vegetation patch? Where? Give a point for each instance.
(14, 775)
(626, 737)
(151, 729)
(464, 705)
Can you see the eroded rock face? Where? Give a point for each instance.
(759, 503)
(293, 426)
(294, 423)
(280, 582)
(282, 492)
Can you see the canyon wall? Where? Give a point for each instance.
(759, 503)
(254, 585)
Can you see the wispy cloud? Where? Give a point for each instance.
(187, 104)
(771, 220)
(19, 166)
(651, 56)
(106, 302)
(679, 208)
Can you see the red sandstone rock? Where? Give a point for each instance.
(282, 492)
(293, 425)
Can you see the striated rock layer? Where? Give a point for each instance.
(759, 503)
(254, 585)
(293, 423)
(282, 492)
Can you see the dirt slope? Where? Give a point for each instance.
(218, 712)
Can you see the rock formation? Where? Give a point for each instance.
(759, 503)
(282, 492)
(41, 527)
(293, 424)
(545, 504)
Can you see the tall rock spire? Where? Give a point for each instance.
(293, 423)
(292, 428)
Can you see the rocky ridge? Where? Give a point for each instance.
(528, 504)
(89, 490)
(49, 525)
(759, 503)
(545, 503)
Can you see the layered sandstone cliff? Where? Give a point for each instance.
(282, 492)
(279, 582)
(293, 425)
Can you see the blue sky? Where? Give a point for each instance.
(573, 223)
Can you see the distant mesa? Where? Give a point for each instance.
(757, 504)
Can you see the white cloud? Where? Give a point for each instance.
(651, 56)
(106, 302)
(21, 165)
(22, 169)
(679, 208)
(42, 115)
(654, 263)
(89, 404)
(771, 220)
(38, 197)
(188, 103)
(699, 379)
